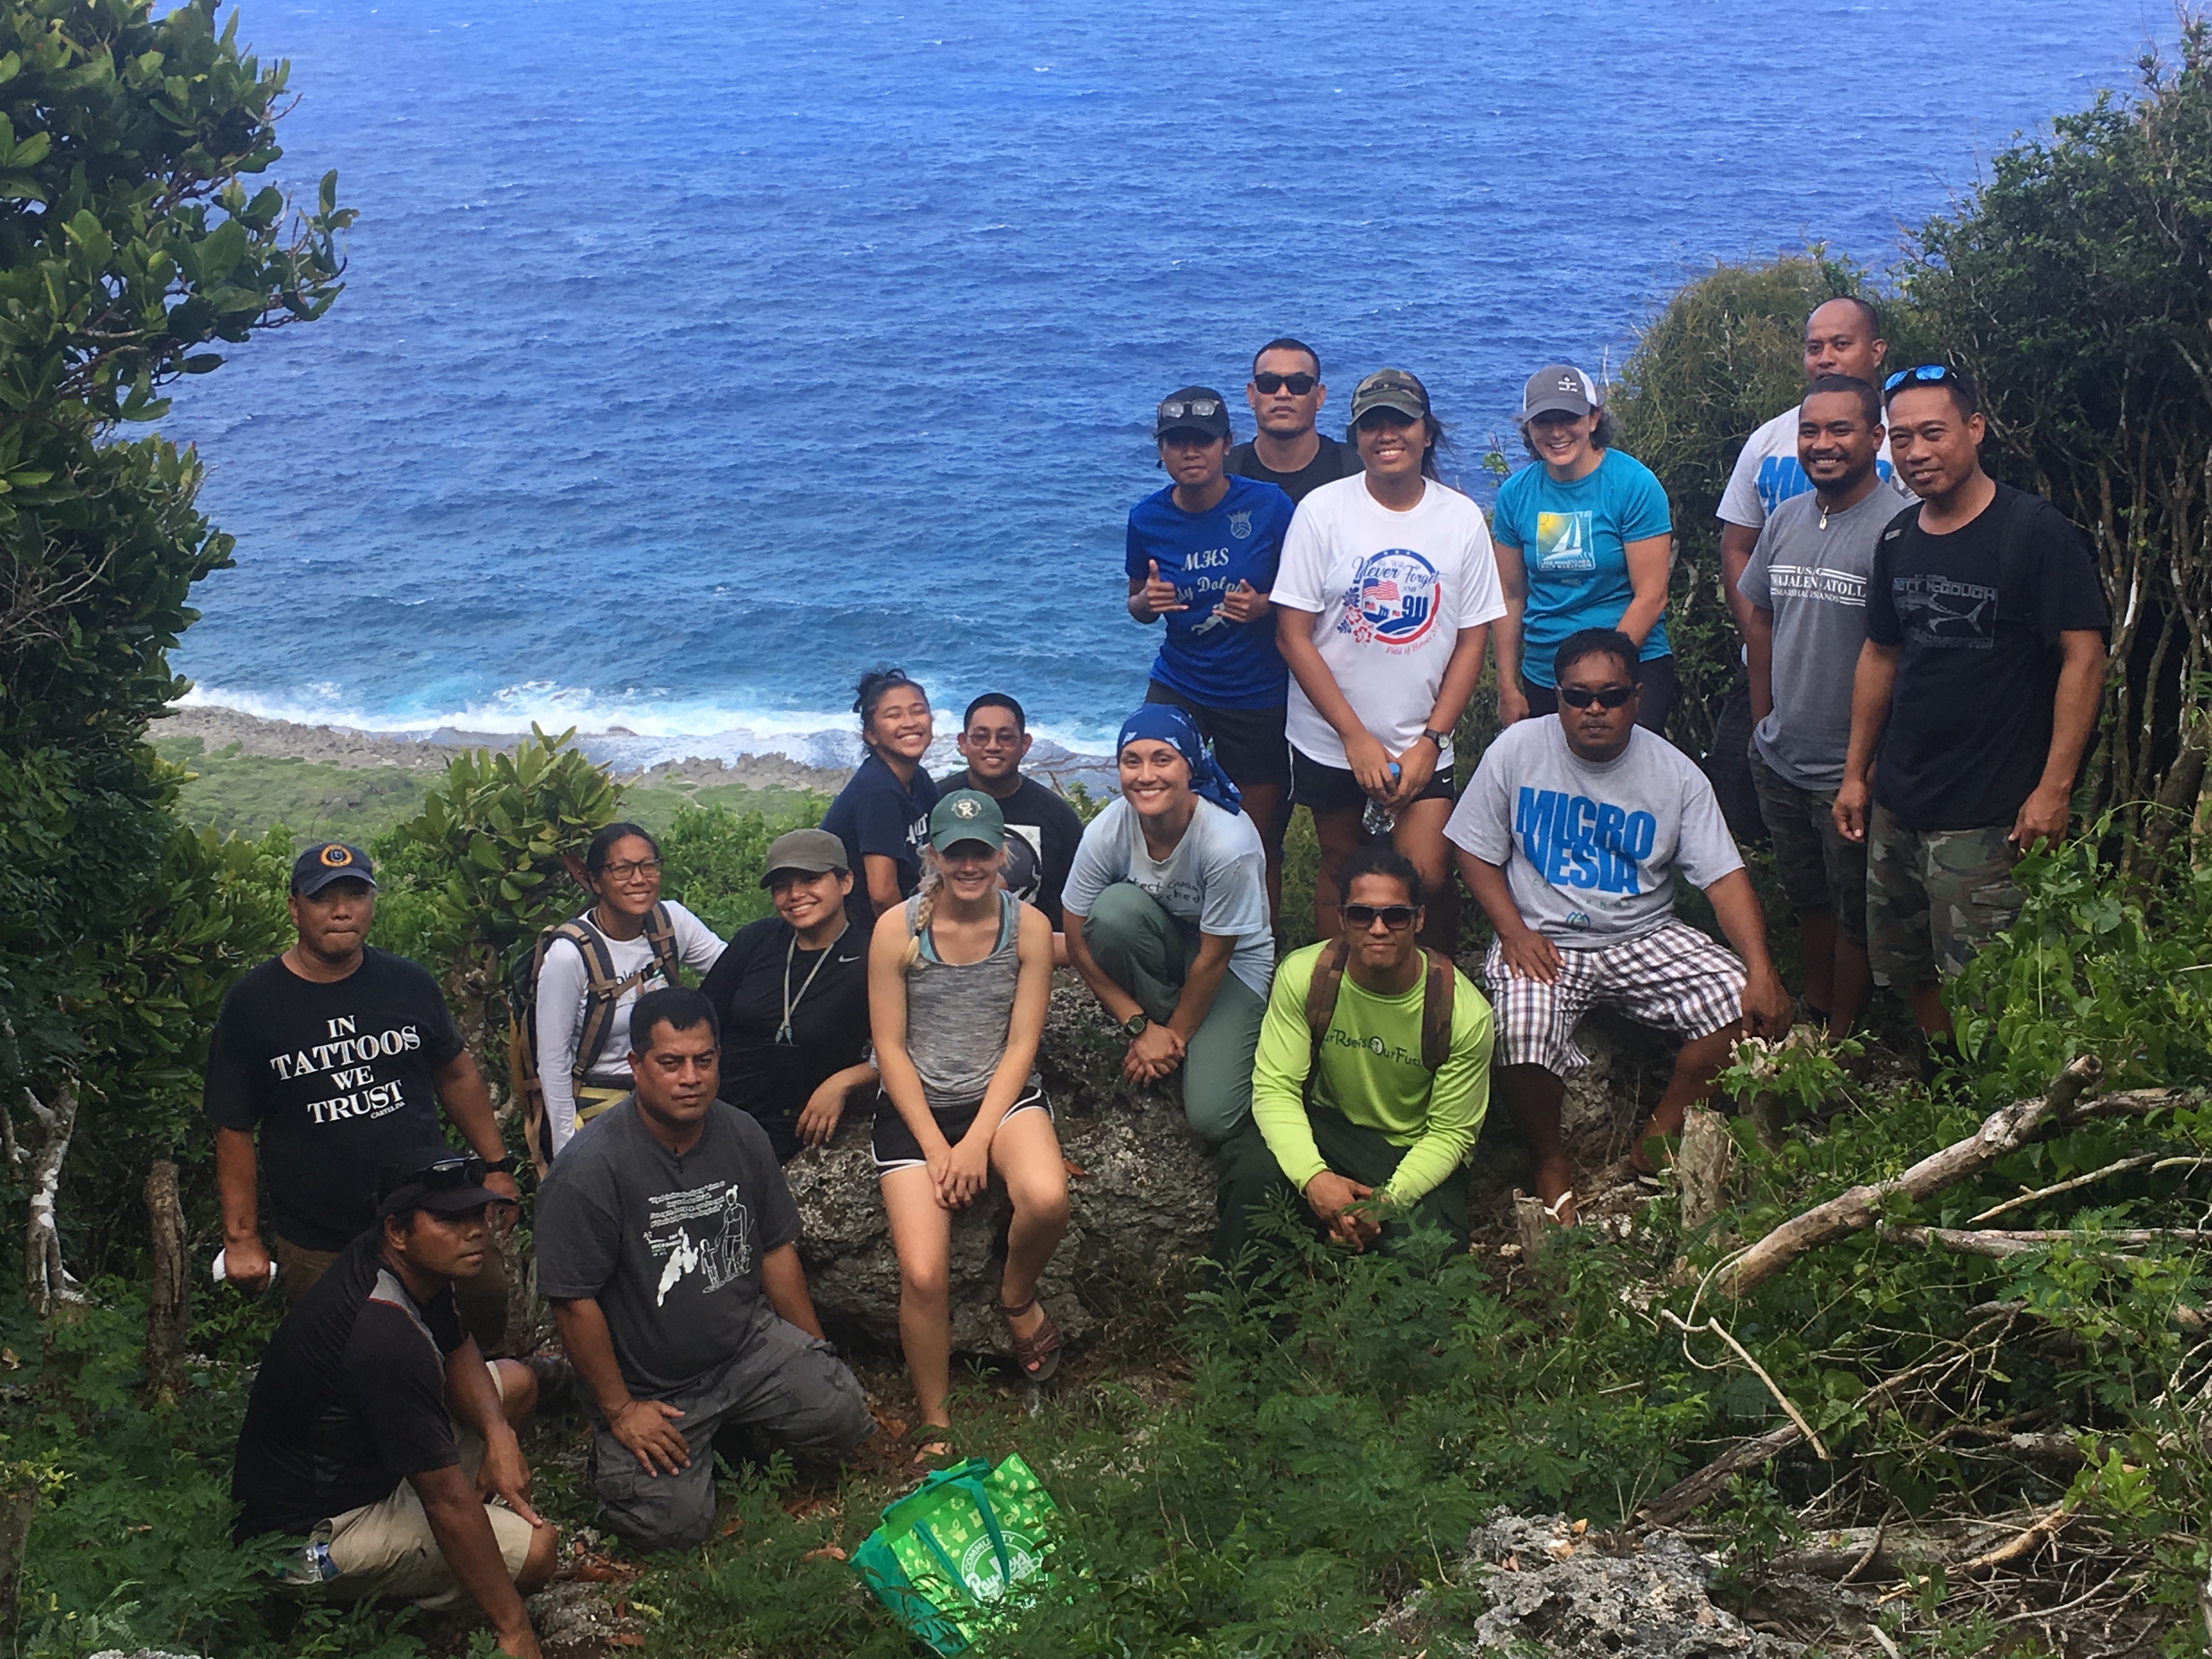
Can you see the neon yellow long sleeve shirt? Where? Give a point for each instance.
(1371, 1071)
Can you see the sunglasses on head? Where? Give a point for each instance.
(1296, 384)
(1580, 696)
(1204, 408)
(1396, 917)
(447, 1174)
(1931, 374)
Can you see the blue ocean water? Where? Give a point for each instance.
(694, 357)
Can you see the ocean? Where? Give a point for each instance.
(694, 358)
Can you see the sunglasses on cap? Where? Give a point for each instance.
(1396, 917)
(1580, 696)
(447, 1174)
(1296, 384)
(1929, 374)
(1204, 409)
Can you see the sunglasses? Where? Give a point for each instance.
(1931, 374)
(1296, 384)
(1396, 917)
(1580, 696)
(1204, 408)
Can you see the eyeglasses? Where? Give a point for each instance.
(634, 867)
(1204, 408)
(1931, 374)
(1396, 917)
(1580, 696)
(1296, 384)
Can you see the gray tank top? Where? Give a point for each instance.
(957, 1015)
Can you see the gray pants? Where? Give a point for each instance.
(785, 1383)
(1148, 953)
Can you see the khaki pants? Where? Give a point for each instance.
(481, 1302)
(386, 1550)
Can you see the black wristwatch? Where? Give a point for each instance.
(1439, 738)
(1137, 1024)
(500, 1166)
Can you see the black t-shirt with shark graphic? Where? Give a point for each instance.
(1970, 718)
(669, 1244)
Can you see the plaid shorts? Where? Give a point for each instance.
(1675, 978)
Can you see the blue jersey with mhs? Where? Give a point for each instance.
(1215, 662)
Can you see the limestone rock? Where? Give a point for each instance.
(1628, 1069)
(1142, 1206)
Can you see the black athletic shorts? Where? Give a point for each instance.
(1319, 787)
(894, 1144)
(1655, 678)
(1247, 742)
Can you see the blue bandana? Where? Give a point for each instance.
(1162, 722)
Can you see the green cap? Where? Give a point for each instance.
(1392, 389)
(967, 815)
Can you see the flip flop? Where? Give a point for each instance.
(1037, 1356)
(1555, 1212)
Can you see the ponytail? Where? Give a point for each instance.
(932, 883)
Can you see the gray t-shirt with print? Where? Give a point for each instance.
(1590, 850)
(669, 1244)
(1811, 577)
(1215, 880)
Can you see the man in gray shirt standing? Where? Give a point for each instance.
(666, 1244)
(1804, 610)
(1570, 838)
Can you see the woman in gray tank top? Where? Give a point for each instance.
(959, 977)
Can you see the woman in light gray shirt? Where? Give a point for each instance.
(959, 977)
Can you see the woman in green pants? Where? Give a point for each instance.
(1166, 917)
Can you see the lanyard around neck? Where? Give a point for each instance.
(790, 953)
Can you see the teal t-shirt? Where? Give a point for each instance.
(1573, 539)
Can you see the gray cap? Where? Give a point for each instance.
(1392, 389)
(1560, 388)
(811, 851)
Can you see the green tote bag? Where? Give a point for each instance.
(951, 1554)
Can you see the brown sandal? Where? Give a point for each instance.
(1038, 1356)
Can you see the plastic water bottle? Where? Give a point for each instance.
(1376, 821)
(314, 1566)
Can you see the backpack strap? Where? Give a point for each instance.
(660, 938)
(1439, 989)
(1321, 1005)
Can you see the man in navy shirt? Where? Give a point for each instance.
(1201, 556)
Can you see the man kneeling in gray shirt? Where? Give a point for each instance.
(666, 1241)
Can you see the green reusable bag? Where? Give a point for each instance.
(948, 1554)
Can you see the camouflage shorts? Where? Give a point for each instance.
(1935, 898)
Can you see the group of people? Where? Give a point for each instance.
(1923, 649)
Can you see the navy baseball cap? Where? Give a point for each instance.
(329, 861)
(1194, 409)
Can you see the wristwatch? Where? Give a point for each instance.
(1137, 1024)
(1442, 739)
(500, 1166)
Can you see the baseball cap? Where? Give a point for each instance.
(967, 815)
(451, 1186)
(329, 861)
(1561, 388)
(1194, 409)
(811, 851)
(1393, 389)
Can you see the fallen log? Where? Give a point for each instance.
(1693, 1489)
(2002, 1133)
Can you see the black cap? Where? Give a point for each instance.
(451, 1186)
(329, 861)
(1194, 409)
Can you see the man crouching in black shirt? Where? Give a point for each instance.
(348, 1437)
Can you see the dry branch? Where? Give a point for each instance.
(2002, 1133)
(2030, 1540)
(1693, 1489)
(1998, 1244)
(2120, 1168)
(47, 1283)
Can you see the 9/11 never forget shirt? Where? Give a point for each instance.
(1590, 848)
(339, 1080)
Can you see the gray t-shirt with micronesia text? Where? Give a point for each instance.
(1812, 579)
(1591, 849)
(669, 1244)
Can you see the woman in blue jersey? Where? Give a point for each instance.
(1583, 540)
(1202, 556)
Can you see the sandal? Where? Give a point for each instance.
(1562, 1211)
(1038, 1356)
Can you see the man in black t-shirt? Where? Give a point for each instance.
(666, 1242)
(1975, 695)
(349, 1440)
(1041, 828)
(334, 1056)
(1286, 394)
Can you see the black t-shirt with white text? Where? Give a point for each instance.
(1332, 461)
(1043, 832)
(350, 1399)
(829, 992)
(338, 1081)
(1970, 714)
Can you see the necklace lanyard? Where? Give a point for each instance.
(790, 1002)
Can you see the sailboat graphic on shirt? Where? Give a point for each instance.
(1564, 542)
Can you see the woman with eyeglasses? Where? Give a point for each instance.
(1583, 540)
(635, 940)
(1386, 597)
(1202, 555)
(882, 814)
(792, 994)
(959, 978)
